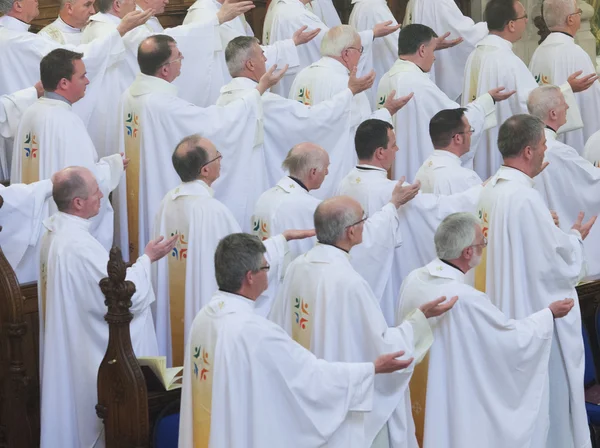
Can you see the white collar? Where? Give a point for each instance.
(556, 37)
(550, 134)
(437, 268)
(446, 155)
(223, 302)
(332, 63)
(194, 188)
(494, 40)
(54, 102)
(213, 5)
(290, 186)
(508, 173)
(144, 84)
(60, 220)
(239, 83)
(65, 27)
(14, 24)
(105, 17)
(366, 167)
(402, 65)
(325, 253)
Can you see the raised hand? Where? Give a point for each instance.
(388, 363)
(393, 104)
(290, 235)
(158, 248)
(125, 160)
(555, 218)
(436, 308)
(580, 84)
(133, 20)
(232, 9)
(384, 28)
(358, 85)
(270, 78)
(584, 229)
(302, 36)
(442, 43)
(561, 308)
(501, 94)
(402, 194)
(39, 88)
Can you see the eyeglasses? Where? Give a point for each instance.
(360, 50)
(180, 58)
(519, 18)
(470, 131)
(365, 217)
(219, 156)
(482, 244)
(578, 12)
(265, 268)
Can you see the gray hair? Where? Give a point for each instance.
(104, 5)
(518, 132)
(455, 234)
(237, 254)
(556, 12)
(299, 163)
(238, 51)
(337, 39)
(543, 99)
(68, 187)
(6, 6)
(331, 222)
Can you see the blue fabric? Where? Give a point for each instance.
(593, 413)
(589, 376)
(166, 432)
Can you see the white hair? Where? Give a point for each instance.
(455, 234)
(300, 160)
(542, 100)
(337, 39)
(6, 6)
(556, 12)
(238, 51)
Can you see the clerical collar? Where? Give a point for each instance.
(405, 60)
(564, 32)
(333, 245)
(366, 167)
(56, 96)
(299, 182)
(236, 294)
(453, 265)
(553, 130)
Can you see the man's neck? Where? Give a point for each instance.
(518, 165)
(564, 29)
(57, 96)
(374, 163)
(244, 292)
(412, 58)
(553, 126)
(341, 245)
(504, 35)
(206, 181)
(247, 74)
(457, 152)
(340, 60)
(461, 265)
(19, 17)
(66, 19)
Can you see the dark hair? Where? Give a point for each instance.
(444, 125)
(498, 13)
(518, 132)
(413, 36)
(56, 65)
(189, 163)
(370, 135)
(103, 5)
(151, 61)
(67, 189)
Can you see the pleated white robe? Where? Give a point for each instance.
(289, 398)
(553, 62)
(591, 150)
(320, 82)
(444, 16)
(73, 332)
(62, 33)
(528, 264)
(443, 173)
(329, 309)
(153, 121)
(491, 368)
(411, 123)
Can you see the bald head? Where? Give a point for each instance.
(154, 52)
(70, 183)
(191, 155)
(334, 217)
(308, 163)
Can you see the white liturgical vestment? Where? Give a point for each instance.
(568, 186)
(308, 398)
(591, 150)
(444, 16)
(418, 221)
(12, 107)
(364, 16)
(74, 332)
(21, 218)
(478, 352)
(553, 62)
(443, 173)
(328, 308)
(411, 123)
(153, 122)
(528, 264)
(51, 137)
(320, 82)
(62, 33)
(493, 64)
(284, 123)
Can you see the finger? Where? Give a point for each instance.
(386, 23)
(403, 364)
(451, 302)
(392, 95)
(272, 69)
(401, 180)
(301, 30)
(159, 239)
(396, 354)
(435, 302)
(591, 222)
(444, 36)
(579, 219)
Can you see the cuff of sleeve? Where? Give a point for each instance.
(576, 233)
(487, 102)
(422, 334)
(382, 114)
(362, 377)
(145, 262)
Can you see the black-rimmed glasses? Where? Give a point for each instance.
(364, 218)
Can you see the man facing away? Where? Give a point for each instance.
(529, 263)
(491, 370)
(73, 332)
(290, 398)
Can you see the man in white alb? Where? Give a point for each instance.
(410, 73)
(591, 150)
(493, 63)
(309, 399)
(73, 15)
(12, 107)
(529, 262)
(559, 56)
(442, 172)
(73, 332)
(153, 118)
(329, 309)
(480, 359)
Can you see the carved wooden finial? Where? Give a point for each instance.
(540, 24)
(116, 289)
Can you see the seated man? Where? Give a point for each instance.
(73, 332)
(442, 172)
(489, 368)
(288, 398)
(328, 308)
